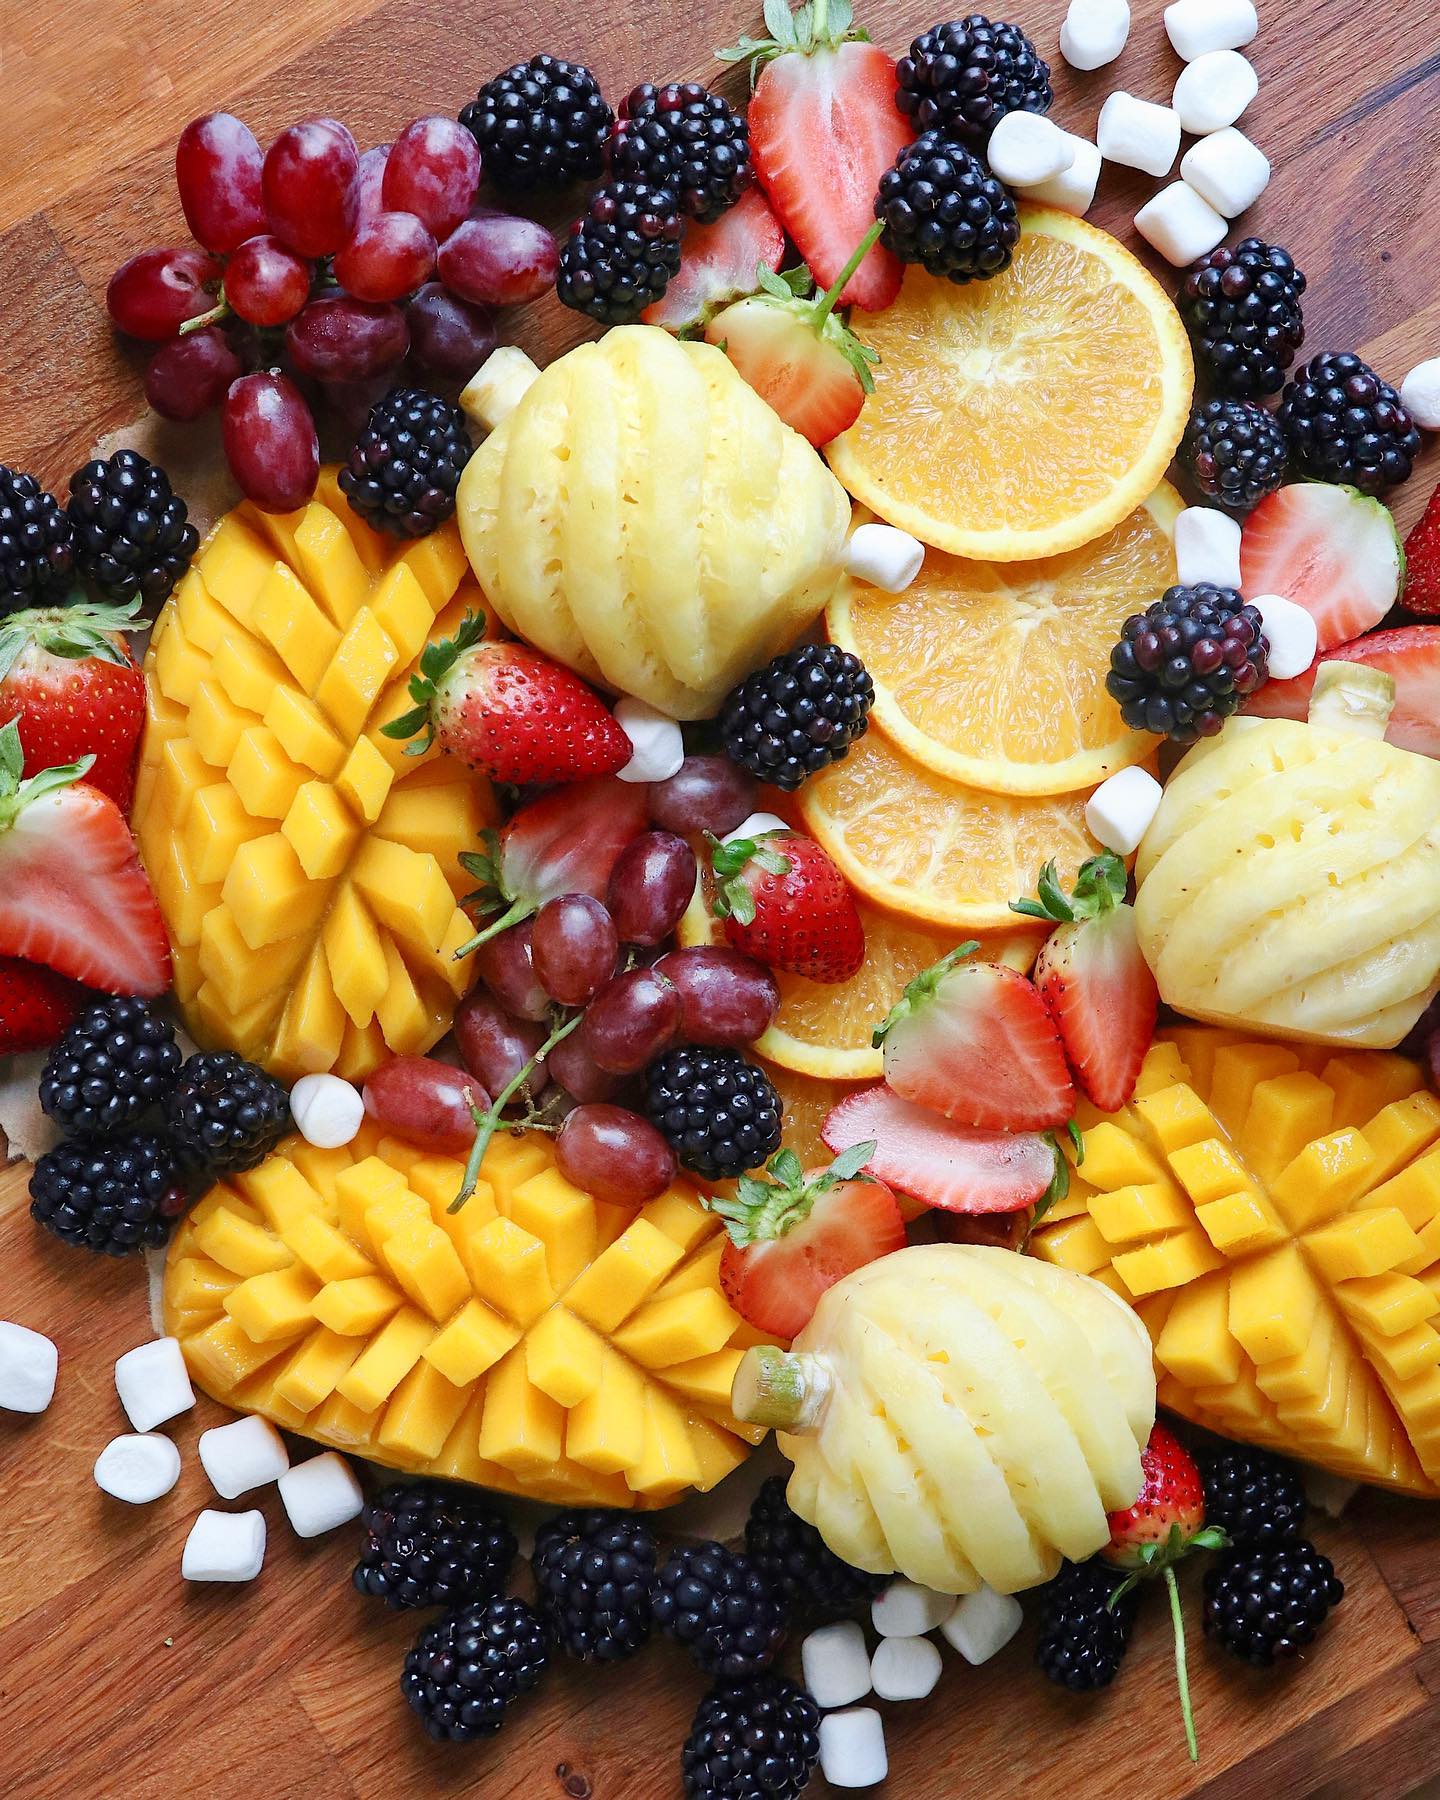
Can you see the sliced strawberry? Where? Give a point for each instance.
(1410, 655)
(1330, 550)
(1422, 562)
(36, 1005)
(919, 1153)
(719, 263)
(785, 903)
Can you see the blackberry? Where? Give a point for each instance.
(621, 255)
(404, 467)
(427, 1544)
(593, 1570)
(468, 1669)
(800, 1563)
(1257, 1500)
(683, 137)
(112, 1196)
(132, 530)
(115, 1062)
(1345, 424)
(1184, 664)
(1083, 1639)
(798, 714)
(1235, 452)
(719, 1113)
(225, 1114)
(1268, 1603)
(966, 75)
(542, 123)
(37, 545)
(752, 1740)
(943, 209)
(1241, 307)
(715, 1602)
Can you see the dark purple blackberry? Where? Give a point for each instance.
(622, 254)
(111, 1195)
(428, 1544)
(1241, 307)
(403, 470)
(798, 714)
(943, 209)
(224, 1114)
(117, 1060)
(752, 1740)
(1184, 664)
(1345, 424)
(37, 545)
(1083, 1639)
(802, 1565)
(468, 1668)
(542, 123)
(719, 1113)
(1235, 452)
(1257, 1500)
(132, 530)
(593, 1571)
(1264, 1604)
(685, 138)
(715, 1602)
(964, 76)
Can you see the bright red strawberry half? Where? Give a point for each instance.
(1330, 550)
(785, 903)
(1093, 978)
(36, 1005)
(824, 127)
(72, 893)
(796, 1232)
(1422, 562)
(1410, 655)
(509, 712)
(719, 264)
(68, 680)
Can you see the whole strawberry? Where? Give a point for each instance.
(785, 903)
(1422, 562)
(509, 712)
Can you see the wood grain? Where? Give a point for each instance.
(118, 1680)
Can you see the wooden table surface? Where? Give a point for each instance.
(117, 1679)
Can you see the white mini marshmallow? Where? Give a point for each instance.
(1179, 224)
(1196, 27)
(982, 1624)
(224, 1547)
(906, 1609)
(153, 1384)
(29, 1363)
(659, 747)
(836, 1664)
(1094, 32)
(1119, 812)
(1227, 171)
(1420, 394)
(327, 1111)
(248, 1453)
(886, 558)
(852, 1748)
(1213, 91)
(754, 826)
(320, 1494)
(138, 1468)
(1074, 190)
(1138, 133)
(1291, 633)
(1207, 547)
(905, 1668)
(1026, 147)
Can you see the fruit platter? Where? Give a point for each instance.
(720, 909)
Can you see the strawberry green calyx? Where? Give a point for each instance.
(73, 633)
(920, 989)
(1059, 1186)
(763, 1210)
(492, 895)
(820, 25)
(17, 793)
(1160, 1559)
(792, 292)
(733, 899)
(437, 661)
(1099, 888)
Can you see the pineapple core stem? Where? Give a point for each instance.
(1352, 697)
(787, 1390)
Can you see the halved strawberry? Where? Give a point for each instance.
(1422, 562)
(919, 1153)
(1410, 654)
(36, 1005)
(718, 264)
(1330, 550)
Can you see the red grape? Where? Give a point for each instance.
(652, 883)
(336, 338)
(349, 402)
(615, 1155)
(499, 261)
(449, 336)
(433, 171)
(308, 184)
(706, 793)
(265, 282)
(631, 1020)
(217, 170)
(573, 948)
(504, 966)
(153, 294)
(496, 1047)
(369, 177)
(389, 255)
(270, 441)
(571, 1066)
(426, 1103)
(726, 997)
(190, 376)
